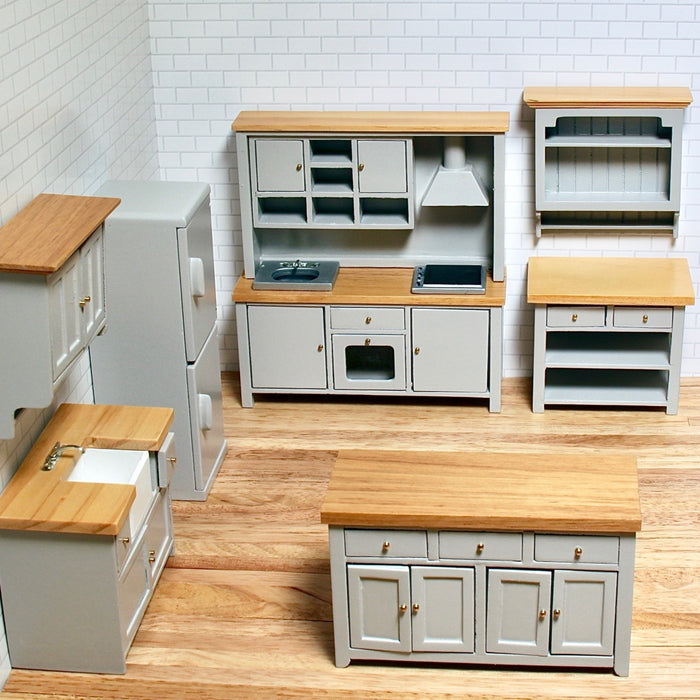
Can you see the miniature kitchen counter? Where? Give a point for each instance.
(608, 331)
(371, 335)
(483, 558)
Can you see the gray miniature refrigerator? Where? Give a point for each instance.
(160, 345)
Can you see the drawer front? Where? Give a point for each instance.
(386, 543)
(575, 549)
(576, 316)
(485, 546)
(642, 317)
(362, 318)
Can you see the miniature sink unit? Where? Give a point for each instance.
(296, 274)
(107, 466)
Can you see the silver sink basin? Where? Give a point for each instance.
(296, 274)
(103, 466)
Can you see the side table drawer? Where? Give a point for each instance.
(575, 549)
(363, 318)
(386, 543)
(486, 546)
(576, 316)
(642, 317)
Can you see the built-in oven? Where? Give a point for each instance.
(369, 362)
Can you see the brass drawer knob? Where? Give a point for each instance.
(368, 341)
(578, 552)
(126, 540)
(299, 167)
(403, 607)
(83, 301)
(320, 348)
(172, 460)
(416, 608)
(385, 546)
(574, 318)
(368, 320)
(152, 555)
(480, 548)
(556, 613)
(543, 614)
(416, 351)
(645, 319)
(361, 167)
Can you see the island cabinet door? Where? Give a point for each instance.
(583, 612)
(450, 350)
(379, 604)
(442, 608)
(517, 614)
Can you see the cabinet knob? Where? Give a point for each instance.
(126, 540)
(645, 319)
(416, 608)
(403, 607)
(361, 167)
(574, 318)
(556, 613)
(480, 548)
(83, 301)
(172, 460)
(368, 320)
(152, 555)
(416, 351)
(320, 348)
(578, 552)
(543, 614)
(299, 167)
(368, 341)
(385, 546)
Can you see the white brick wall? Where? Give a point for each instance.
(213, 59)
(76, 109)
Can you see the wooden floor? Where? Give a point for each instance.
(243, 608)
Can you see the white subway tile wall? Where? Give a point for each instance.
(213, 59)
(76, 109)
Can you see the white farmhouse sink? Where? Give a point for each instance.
(104, 466)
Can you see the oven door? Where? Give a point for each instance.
(369, 362)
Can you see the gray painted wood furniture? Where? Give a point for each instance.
(608, 159)
(446, 564)
(608, 331)
(52, 296)
(161, 345)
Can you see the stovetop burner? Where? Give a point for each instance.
(449, 279)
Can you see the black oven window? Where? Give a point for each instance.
(370, 362)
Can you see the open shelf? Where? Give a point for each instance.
(281, 210)
(334, 211)
(331, 151)
(334, 180)
(384, 211)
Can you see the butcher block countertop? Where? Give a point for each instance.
(557, 493)
(372, 122)
(378, 286)
(615, 281)
(44, 501)
(610, 97)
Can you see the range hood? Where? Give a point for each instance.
(455, 183)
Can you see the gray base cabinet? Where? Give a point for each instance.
(74, 602)
(482, 597)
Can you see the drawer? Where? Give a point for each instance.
(486, 546)
(642, 317)
(386, 543)
(577, 549)
(362, 318)
(576, 316)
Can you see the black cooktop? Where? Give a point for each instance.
(449, 279)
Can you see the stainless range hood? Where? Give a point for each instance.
(455, 183)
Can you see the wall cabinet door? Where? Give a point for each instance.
(279, 165)
(92, 301)
(442, 608)
(378, 604)
(450, 350)
(287, 347)
(583, 612)
(517, 614)
(382, 166)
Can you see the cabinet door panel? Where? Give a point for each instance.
(382, 166)
(92, 289)
(513, 621)
(583, 612)
(375, 594)
(450, 350)
(287, 347)
(444, 617)
(277, 165)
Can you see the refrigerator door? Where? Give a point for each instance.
(206, 413)
(196, 258)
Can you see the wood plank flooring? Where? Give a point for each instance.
(243, 608)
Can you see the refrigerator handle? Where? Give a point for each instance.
(205, 412)
(197, 277)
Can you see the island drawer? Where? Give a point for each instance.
(577, 549)
(362, 318)
(642, 317)
(576, 316)
(386, 543)
(486, 546)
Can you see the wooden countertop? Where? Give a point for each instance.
(372, 122)
(632, 97)
(622, 281)
(43, 501)
(555, 493)
(43, 235)
(380, 286)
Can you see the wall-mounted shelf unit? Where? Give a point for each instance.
(608, 159)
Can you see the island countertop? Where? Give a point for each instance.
(43, 501)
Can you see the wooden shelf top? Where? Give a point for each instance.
(631, 281)
(43, 501)
(372, 122)
(637, 97)
(379, 286)
(43, 235)
(556, 493)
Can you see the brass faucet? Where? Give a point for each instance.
(56, 452)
